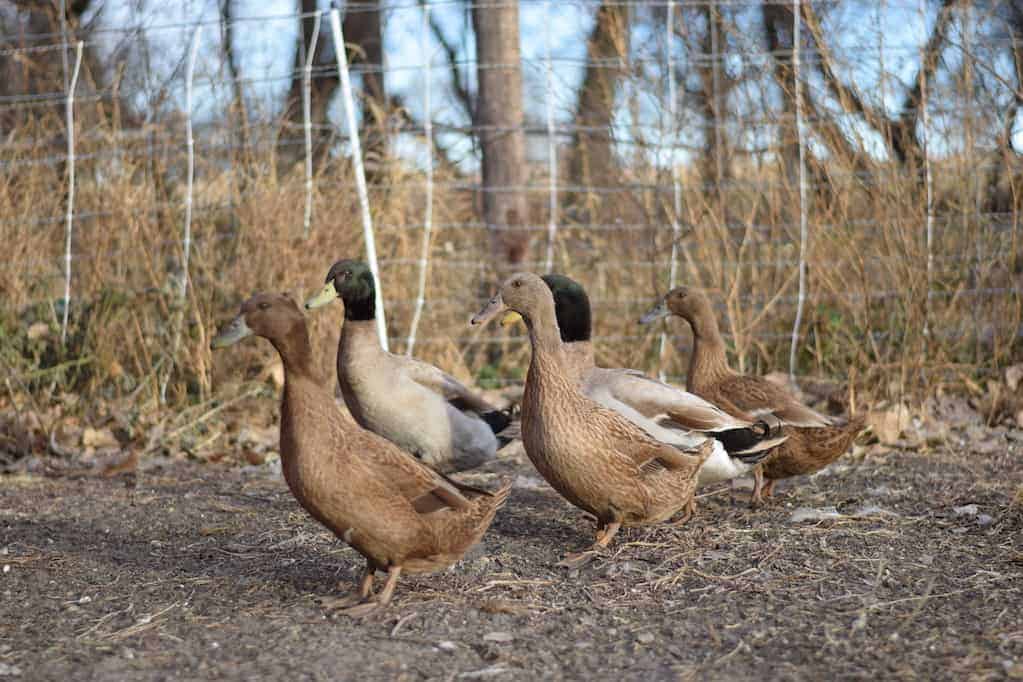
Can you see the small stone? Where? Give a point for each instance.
(984, 520)
(965, 510)
(809, 514)
(499, 637)
(7, 568)
(447, 645)
(645, 637)
(8, 670)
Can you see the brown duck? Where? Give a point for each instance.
(815, 440)
(395, 511)
(596, 458)
(670, 415)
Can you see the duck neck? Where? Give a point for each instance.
(709, 359)
(579, 357)
(548, 351)
(296, 354)
(361, 300)
(359, 336)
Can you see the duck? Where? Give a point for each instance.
(815, 440)
(670, 415)
(594, 457)
(399, 514)
(415, 405)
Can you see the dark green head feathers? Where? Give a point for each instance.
(572, 307)
(354, 283)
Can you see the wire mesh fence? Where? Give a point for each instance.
(841, 177)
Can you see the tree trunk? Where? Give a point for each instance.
(362, 31)
(716, 86)
(238, 106)
(592, 161)
(777, 21)
(502, 136)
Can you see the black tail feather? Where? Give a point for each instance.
(738, 440)
(498, 420)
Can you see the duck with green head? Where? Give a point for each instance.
(670, 415)
(426, 411)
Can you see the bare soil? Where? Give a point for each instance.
(207, 571)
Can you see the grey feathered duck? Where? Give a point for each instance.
(415, 405)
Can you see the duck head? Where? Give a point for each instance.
(351, 281)
(689, 304)
(523, 293)
(571, 307)
(272, 316)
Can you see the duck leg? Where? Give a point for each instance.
(758, 486)
(364, 592)
(688, 512)
(768, 490)
(368, 607)
(605, 533)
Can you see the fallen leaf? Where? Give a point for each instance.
(37, 331)
(510, 606)
(888, 425)
(1013, 376)
(99, 438)
(121, 466)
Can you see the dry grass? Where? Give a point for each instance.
(865, 316)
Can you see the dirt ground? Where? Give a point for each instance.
(207, 571)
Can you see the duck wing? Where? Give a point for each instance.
(425, 489)
(665, 404)
(758, 397)
(445, 385)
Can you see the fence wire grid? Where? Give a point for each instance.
(840, 176)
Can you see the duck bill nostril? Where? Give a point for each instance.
(324, 296)
(657, 312)
(234, 332)
(489, 311)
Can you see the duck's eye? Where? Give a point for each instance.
(517, 283)
(346, 274)
(265, 305)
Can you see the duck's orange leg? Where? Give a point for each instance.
(384, 598)
(364, 592)
(688, 512)
(758, 488)
(768, 488)
(605, 534)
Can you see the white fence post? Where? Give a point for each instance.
(925, 143)
(803, 237)
(360, 171)
(676, 184)
(307, 74)
(424, 253)
(552, 143)
(186, 240)
(70, 215)
(186, 246)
